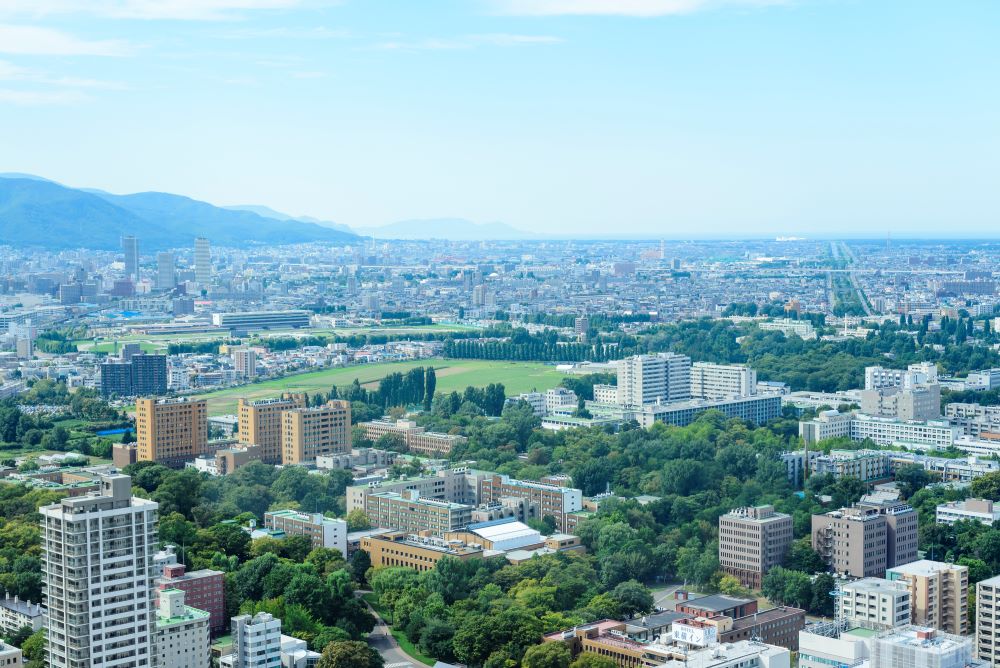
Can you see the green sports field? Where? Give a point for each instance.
(516, 377)
(159, 342)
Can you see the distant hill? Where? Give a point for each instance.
(452, 229)
(268, 212)
(37, 212)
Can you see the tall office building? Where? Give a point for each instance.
(650, 379)
(202, 262)
(166, 276)
(171, 431)
(852, 541)
(130, 246)
(260, 423)
(97, 553)
(320, 430)
(939, 594)
(752, 541)
(245, 362)
(256, 641)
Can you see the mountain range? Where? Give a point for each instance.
(35, 211)
(39, 212)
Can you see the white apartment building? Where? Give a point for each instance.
(788, 326)
(916, 374)
(932, 434)
(97, 553)
(828, 424)
(874, 602)
(606, 394)
(978, 510)
(650, 379)
(721, 381)
(988, 620)
(15, 614)
(182, 636)
(256, 642)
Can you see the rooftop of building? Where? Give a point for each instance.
(419, 500)
(316, 518)
(715, 602)
(190, 614)
(773, 614)
(925, 567)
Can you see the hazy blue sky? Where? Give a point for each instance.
(672, 117)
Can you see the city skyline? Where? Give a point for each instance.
(654, 118)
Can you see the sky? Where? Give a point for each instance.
(664, 118)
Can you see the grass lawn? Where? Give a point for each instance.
(452, 375)
(400, 637)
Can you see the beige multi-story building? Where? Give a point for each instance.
(414, 437)
(171, 431)
(260, 423)
(648, 379)
(551, 500)
(321, 430)
(852, 541)
(407, 511)
(752, 541)
(417, 552)
(988, 620)
(245, 362)
(939, 594)
(459, 485)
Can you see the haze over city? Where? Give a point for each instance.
(672, 118)
(499, 334)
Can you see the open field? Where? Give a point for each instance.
(516, 377)
(159, 342)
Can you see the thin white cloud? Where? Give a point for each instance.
(468, 42)
(317, 33)
(11, 72)
(37, 41)
(182, 10)
(33, 98)
(638, 8)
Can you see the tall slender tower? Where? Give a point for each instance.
(97, 557)
(130, 246)
(202, 261)
(165, 276)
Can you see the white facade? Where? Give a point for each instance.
(15, 614)
(875, 601)
(295, 653)
(91, 544)
(606, 394)
(721, 381)
(560, 400)
(923, 647)
(649, 379)
(182, 635)
(202, 261)
(800, 328)
(256, 641)
(978, 510)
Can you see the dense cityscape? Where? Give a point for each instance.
(537, 453)
(499, 334)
